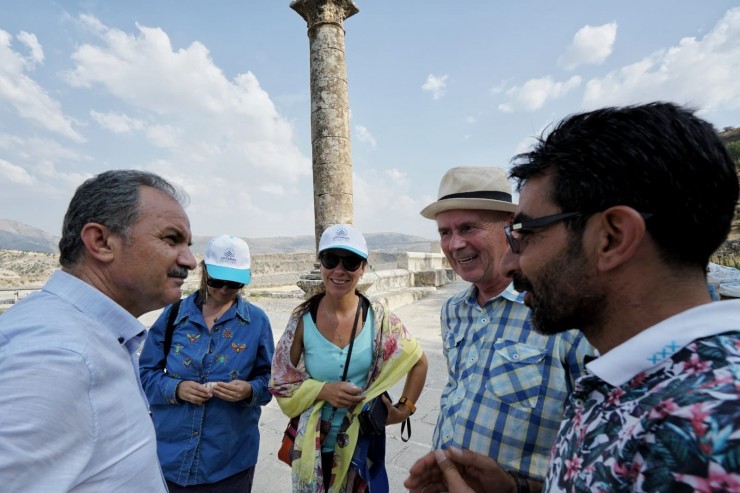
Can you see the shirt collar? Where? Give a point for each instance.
(470, 295)
(661, 341)
(89, 300)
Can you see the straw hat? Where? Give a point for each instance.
(469, 187)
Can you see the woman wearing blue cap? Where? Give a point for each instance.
(205, 368)
(339, 352)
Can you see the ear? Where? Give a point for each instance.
(99, 241)
(622, 232)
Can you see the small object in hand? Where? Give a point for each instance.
(210, 385)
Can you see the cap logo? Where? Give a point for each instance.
(228, 256)
(341, 235)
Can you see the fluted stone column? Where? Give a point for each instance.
(331, 149)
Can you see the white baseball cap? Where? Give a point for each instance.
(343, 237)
(227, 258)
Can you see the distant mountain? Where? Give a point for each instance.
(18, 236)
(376, 242)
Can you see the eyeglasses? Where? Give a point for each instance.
(219, 283)
(515, 232)
(351, 262)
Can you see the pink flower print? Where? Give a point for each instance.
(699, 419)
(638, 380)
(572, 467)
(663, 409)
(694, 365)
(390, 347)
(615, 397)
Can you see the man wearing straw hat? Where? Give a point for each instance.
(507, 384)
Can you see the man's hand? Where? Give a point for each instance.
(458, 471)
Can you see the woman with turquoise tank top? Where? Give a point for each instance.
(330, 454)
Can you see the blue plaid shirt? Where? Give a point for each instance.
(507, 384)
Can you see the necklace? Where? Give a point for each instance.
(215, 313)
(340, 325)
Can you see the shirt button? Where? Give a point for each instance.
(195, 433)
(515, 356)
(483, 320)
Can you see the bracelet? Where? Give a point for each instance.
(522, 485)
(406, 402)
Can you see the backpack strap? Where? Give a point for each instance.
(174, 309)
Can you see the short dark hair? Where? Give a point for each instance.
(657, 158)
(111, 199)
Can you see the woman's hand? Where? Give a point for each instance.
(341, 394)
(395, 414)
(234, 391)
(190, 391)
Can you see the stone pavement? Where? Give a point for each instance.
(421, 318)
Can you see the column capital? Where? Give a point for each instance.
(316, 12)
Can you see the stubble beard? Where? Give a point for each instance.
(566, 296)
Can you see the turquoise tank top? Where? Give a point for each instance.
(325, 362)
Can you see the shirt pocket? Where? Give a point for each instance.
(515, 373)
(453, 348)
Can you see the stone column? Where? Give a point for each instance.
(330, 138)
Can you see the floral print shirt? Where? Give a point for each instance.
(659, 412)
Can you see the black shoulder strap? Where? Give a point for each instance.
(170, 328)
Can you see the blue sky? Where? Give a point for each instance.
(215, 95)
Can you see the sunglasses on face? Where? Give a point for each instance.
(218, 284)
(351, 262)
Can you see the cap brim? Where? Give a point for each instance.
(229, 274)
(348, 248)
(431, 211)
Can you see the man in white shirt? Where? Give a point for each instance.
(74, 416)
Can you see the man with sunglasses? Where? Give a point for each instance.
(507, 384)
(620, 211)
(208, 379)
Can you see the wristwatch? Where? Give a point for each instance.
(406, 402)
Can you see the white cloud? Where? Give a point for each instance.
(15, 174)
(364, 135)
(591, 45)
(379, 195)
(202, 128)
(534, 93)
(698, 72)
(117, 123)
(24, 95)
(32, 43)
(436, 84)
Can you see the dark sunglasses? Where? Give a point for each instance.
(351, 262)
(218, 283)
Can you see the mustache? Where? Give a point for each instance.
(521, 284)
(180, 272)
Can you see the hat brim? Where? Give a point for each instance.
(229, 274)
(357, 252)
(431, 211)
